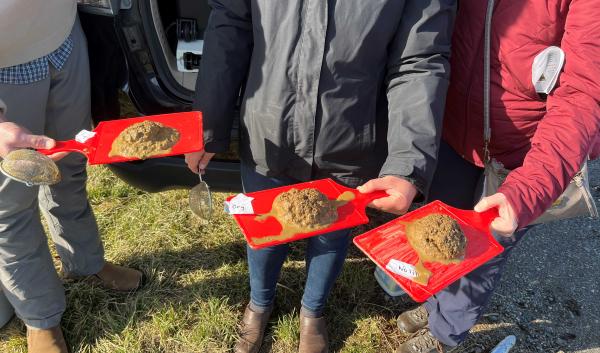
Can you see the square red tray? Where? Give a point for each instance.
(349, 215)
(98, 147)
(389, 242)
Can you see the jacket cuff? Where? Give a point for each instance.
(218, 146)
(395, 167)
(420, 196)
(523, 213)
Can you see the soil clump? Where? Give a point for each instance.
(437, 238)
(144, 140)
(307, 209)
(302, 211)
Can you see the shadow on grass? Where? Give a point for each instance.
(183, 278)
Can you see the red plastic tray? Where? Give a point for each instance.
(349, 215)
(97, 148)
(389, 242)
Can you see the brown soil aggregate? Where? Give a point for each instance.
(143, 140)
(306, 209)
(302, 211)
(437, 238)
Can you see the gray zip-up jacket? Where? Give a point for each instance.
(349, 89)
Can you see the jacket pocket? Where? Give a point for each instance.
(264, 139)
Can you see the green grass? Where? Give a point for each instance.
(198, 285)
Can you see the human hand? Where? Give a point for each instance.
(506, 224)
(13, 137)
(197, 161)
(401, 193)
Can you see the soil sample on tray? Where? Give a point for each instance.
(143, 140)
(307, 209)
(302, 211)
(435, 238)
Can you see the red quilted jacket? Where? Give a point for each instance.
(544, 141)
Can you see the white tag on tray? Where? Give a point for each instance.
(239, 204)
(402, 269)
(84, 135)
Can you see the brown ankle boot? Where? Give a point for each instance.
(252, 331)
(113, 277)
(313, 335)
(46, 341)
(119, 278)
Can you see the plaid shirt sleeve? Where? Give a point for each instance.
(38, 69)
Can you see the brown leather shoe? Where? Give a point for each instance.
(252, 331)
(413, 320)
(313, 335)
(119, 278)
(114, 277)
(46, 341)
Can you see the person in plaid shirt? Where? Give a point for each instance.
(45, 95)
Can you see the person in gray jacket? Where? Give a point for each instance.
(350, 89)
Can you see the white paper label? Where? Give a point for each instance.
(402, 269)
(84, 135)
(240, 204)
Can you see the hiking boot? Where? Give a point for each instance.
(252, 330)
(46, 340)
(313, 335)
(413, 320)
(423, 342)
(114, 277)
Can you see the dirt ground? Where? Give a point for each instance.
(550, 293)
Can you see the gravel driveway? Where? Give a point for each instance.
(550, 294)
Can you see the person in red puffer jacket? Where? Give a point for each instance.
(543, 140)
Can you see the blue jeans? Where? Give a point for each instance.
(454, 310)
(325, 255)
